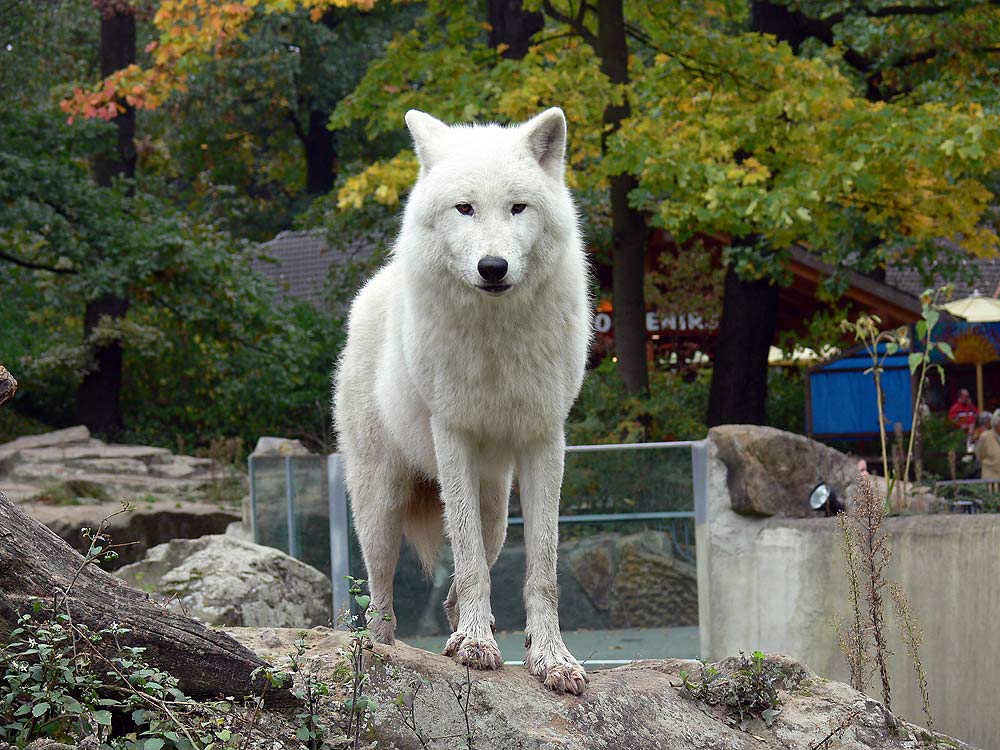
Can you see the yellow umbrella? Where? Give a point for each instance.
(976, 309)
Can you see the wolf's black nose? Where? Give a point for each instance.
(492, 268)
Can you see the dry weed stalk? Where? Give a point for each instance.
(911, 634)
(853, 641)
(899, 458)
(866, 516)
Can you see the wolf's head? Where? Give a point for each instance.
(490, 208)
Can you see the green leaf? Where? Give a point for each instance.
(932, 316)
(945, 349)
(153, 743)
(39, 709)
(363, 601)
(914, 361)
(302, 733)
(921, 329)
(103, 718)
(892, 347)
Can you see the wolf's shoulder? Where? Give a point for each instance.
(377, 292)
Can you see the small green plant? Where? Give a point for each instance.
(747, 691)
(360, 707)
(62, 681)
(311, 730)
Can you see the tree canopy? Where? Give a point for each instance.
(867, 133)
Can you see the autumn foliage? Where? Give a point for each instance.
(190, 32)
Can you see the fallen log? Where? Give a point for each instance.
(36, 564)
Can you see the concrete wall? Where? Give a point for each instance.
(778, 585)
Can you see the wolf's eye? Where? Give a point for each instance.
(465, 209)
(518, 208)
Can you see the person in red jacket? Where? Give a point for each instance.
(963, 413)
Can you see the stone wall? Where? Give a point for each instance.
(777, 584)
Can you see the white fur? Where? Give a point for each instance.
(443, 386)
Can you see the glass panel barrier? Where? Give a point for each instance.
(627, 580)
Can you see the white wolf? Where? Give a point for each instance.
(463, 357)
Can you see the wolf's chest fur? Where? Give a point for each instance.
(503, 372)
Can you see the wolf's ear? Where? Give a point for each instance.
(428, 136)
(546, 138)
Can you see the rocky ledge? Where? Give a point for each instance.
(69, 480)
(640, 706)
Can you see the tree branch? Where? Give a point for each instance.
(574, 23)
(34, 266)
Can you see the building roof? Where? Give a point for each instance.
(299, 262)
(799, 300)
(978, 275)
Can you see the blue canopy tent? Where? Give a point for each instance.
(841, 401)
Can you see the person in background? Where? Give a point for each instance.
(988, 449)
(985, 425)
(963, 413)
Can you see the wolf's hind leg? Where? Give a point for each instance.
(377, 508)
(494, 496)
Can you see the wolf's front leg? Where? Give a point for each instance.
(541, 474)
(458, 472)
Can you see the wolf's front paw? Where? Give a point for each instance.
(557, 669)
(382, 630)
(451, 612)
(477, 653)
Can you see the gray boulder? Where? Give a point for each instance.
(771, 472)
(222, 580)
(278, 446)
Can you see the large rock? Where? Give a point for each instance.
(47, 468)
(68, 436)
(635, 707)
(147, 525)
(772, 472)
(652, 588)
(278, 446)
(222, 580)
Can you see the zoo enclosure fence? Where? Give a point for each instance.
(627, 557)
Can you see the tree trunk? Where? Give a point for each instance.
(37, 564)
(98, 398)
(320, 144)
(738, 393)
(628, 226)
(510, 24)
